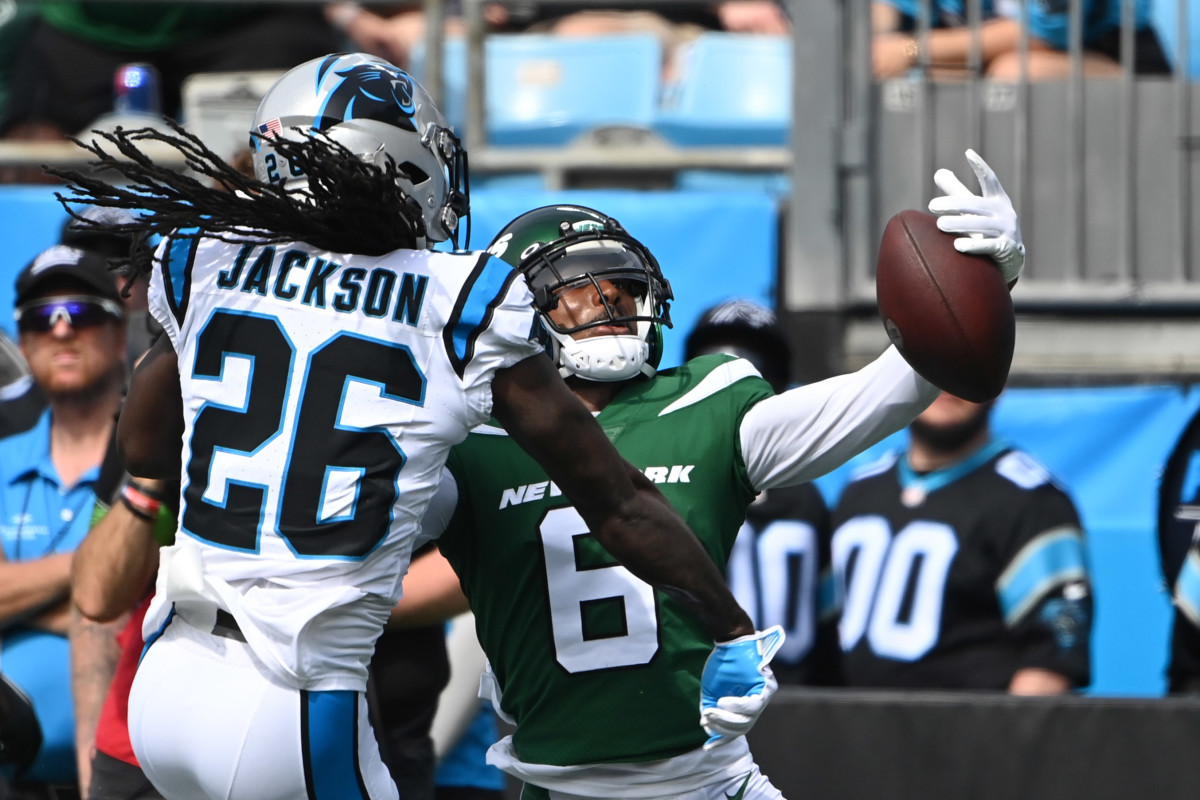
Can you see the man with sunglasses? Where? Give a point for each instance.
(72, 333)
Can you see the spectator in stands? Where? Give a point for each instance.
(1179, 551)
(72, 334)
(897, 48)
(780, 559)
(91, 232)
(16, 20)
(961, 565)
(63, 79)
(112, 581)
(392, 31)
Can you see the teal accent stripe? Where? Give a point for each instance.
(1187, 587)
(827, 599)
(154, 636)
(935, 480)
(330, 742)
(486, 291)
(177, 269)
(1050, 560)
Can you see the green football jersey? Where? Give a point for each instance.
(595, 665)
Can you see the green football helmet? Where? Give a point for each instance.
(564, 247)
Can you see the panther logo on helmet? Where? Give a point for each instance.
(379, 113)
(367, 91)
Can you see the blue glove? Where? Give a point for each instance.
(737, 684)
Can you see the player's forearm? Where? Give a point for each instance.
(29, 587)
(630, 517)
(654, 543)
(113, 566)
(94, 654)
(150, 428)
(805, 432)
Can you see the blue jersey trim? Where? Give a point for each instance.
(484, 289)
(177, 270)
(329, 739)
(154, 636)
(828, 602)
(1052, 559)
(935, 480)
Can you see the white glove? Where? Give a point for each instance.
(990, 221)
(737, 684)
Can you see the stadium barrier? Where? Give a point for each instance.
(848, 745)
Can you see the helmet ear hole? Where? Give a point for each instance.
(415, 175)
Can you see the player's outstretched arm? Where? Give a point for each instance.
(150, 430)
(987, 220)
(621, 506)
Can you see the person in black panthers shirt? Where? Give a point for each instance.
(961, 565)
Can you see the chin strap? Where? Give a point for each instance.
(603, 358)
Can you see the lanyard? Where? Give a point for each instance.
(63, 529)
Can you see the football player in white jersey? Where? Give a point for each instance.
(318, 364)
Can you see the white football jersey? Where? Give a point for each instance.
(321, 394)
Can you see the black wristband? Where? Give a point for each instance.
(137, 512)
(153, 494)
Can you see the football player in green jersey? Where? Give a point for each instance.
(598, 671)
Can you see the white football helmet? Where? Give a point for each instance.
(376, 110)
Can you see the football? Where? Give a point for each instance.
(949, 314)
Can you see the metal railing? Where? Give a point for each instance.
(1101, 171)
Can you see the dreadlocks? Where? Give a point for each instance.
(349, 206)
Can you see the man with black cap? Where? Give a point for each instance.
(781, 557)
(71, 328)
(94, 230)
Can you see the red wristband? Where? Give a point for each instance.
(140, 503)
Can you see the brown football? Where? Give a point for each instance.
(950, 315)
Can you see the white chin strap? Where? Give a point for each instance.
(603, 358)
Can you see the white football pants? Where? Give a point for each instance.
(207, 724)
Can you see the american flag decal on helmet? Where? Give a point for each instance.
(271, 128)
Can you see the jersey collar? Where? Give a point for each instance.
(915, 487)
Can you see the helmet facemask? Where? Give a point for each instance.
(587, 258)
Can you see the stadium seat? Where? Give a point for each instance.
(775, 184)
(546, 90)
(733, 89)
(1165, 18)
(453, 102)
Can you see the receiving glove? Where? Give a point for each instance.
(990, 221)
(737, 684)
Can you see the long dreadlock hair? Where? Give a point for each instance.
(349, 206)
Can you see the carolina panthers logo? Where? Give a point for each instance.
(367, 91)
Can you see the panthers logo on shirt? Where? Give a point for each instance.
(366, 91)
